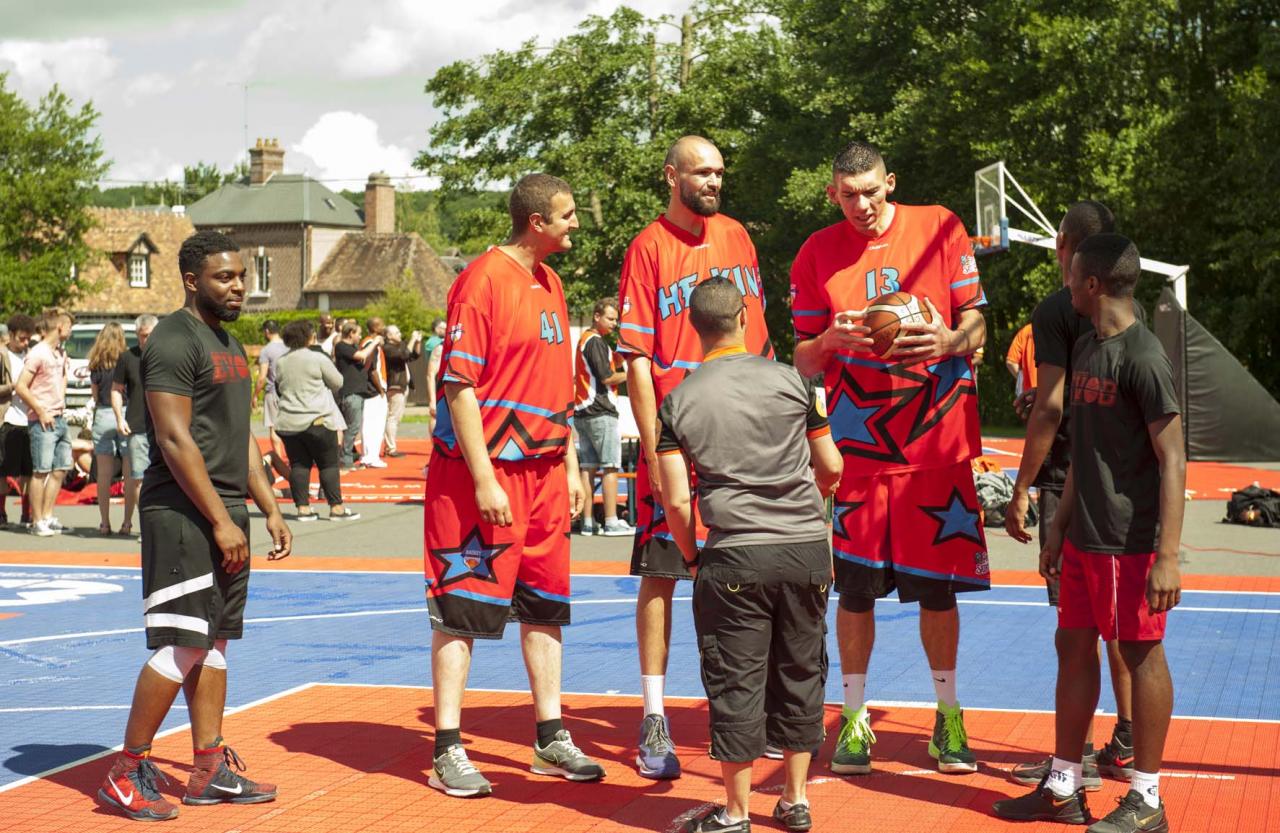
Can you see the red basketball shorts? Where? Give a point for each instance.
(480, 575)
(655, 552)
(1108, 593)
(918, 532)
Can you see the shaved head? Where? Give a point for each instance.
(694, 169)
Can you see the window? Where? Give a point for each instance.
(262, 281)
(140, 271)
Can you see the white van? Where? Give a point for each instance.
(77, 347)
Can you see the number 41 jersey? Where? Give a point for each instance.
(890, 416)
(508, 338)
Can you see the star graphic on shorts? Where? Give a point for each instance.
(950, 372)
(473, 559)
(944, 382)
(860, 418)
(841, 514)
(955, 520)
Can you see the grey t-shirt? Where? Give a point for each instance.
(270, 354)
(1118, 386)
(744, 421)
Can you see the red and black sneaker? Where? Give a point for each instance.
(213, 782)
(131, 788)
(1116, 759)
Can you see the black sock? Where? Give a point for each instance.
(1088, 749)
(446, 738)
(547, 730)
(1123, 732)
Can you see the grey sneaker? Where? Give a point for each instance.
(617, 528)
(344, 516)
(561, 757)
(588, 529)
(454, 775)
(306, 517)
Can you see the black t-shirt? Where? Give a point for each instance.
(596, 354)
(1118, 386)
(354, 376)
(1056, 327)
(102, 378)
(128, 372)
(187, 357)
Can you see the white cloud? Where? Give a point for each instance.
(345, 146)
(148, 85)
(380, 53)
(80, 66)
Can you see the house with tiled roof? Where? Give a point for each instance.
(135, 266)
(286, 225)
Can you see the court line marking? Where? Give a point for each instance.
(60, 709)
(21, 782)
(931, 705)
(285, 571)
(402, 611)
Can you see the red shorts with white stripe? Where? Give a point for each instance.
(1108, 593)
(480, 575)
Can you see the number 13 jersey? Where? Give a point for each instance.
(889, 416)
(508, 338)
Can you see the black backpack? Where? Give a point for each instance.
(1255, 506)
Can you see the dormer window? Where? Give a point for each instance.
(140, 270)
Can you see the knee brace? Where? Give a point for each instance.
(938, 600)
(857, 603)
(217, 657)
(174, 662)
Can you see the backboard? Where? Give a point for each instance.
(993, 223)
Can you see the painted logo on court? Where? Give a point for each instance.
(42, 590)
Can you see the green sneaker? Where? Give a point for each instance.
(853, 744)
(950, 743)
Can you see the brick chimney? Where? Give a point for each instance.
(379, 205)
(265, 159)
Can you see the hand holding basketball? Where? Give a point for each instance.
(924, 339)
(847, 332)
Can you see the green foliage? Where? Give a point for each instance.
(49, 161)
(401, 304)
(1164, 110)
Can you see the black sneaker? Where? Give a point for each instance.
(1133, 815)
(1041, 804)
(1031, 774)
(710, 821)
(213, 782)
(1116, 760)
(796, 817)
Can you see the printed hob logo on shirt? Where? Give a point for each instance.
(1091, 390)
(228, 367)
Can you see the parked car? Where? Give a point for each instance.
(77, 347)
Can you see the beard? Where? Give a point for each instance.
(703, 205)
(218, 311)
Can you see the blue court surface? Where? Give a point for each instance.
(69, 660)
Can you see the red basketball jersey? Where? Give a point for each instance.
(508, 338)
(662, 266)
(887, 415)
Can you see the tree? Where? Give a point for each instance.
(49, 162)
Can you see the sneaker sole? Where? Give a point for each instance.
(850, 769)
(260, 798)
(1089, 784)
(457, 793)
(1073, 819)
(797, 828)
(144, 815)
(951, 767)
(655, 774)
(618, 533)
(563, 773)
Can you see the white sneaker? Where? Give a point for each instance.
(42, 529)
(616, 528)
(55, 524)
(375, 464)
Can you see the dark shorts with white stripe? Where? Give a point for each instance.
(188, 598)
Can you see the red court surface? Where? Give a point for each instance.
(354, 758)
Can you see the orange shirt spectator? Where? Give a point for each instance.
(1021, 360)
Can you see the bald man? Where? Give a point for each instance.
(690, 243)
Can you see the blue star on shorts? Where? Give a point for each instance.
(955, 520)
(840, 516)
(951, 371)
(473, 559)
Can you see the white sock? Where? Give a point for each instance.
(787, 805)
(855, 691)
(1148, 785)
(1065, 777)
(944, 684)
(651, 685)
(726, 819)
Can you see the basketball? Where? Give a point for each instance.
(885, 315)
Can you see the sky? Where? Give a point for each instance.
(338, 82)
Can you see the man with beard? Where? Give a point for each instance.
(195, 534)
(690, 243)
